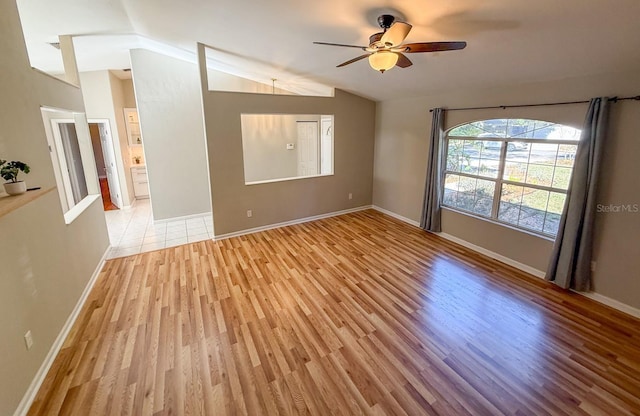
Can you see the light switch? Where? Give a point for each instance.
(290, 146)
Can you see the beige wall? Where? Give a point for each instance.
(170, 112)
(354, 121)
(402, 130)
(128, 93)
(264, 141)
(103, 100)
(97, 149)
(45, 264)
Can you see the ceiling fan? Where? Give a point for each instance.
(386, 50)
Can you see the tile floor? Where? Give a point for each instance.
(132, 231)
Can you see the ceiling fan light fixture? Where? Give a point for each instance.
(383, 60)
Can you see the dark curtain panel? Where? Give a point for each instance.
(430, 219)
(570, 264)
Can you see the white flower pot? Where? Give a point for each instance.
(15, 188)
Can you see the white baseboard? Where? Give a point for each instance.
(397, 216)
(520, 266)
(184, 217)
(623, 307)
(30, 395)
(292, 222)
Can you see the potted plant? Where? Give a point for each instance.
(9, 171)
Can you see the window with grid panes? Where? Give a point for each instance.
(513, 171)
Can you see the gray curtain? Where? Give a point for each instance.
(570, 265)
(430, 219)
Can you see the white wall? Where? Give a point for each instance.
(170, 111)
(402, 132)
(221, 81)
(97, 91)
(45, 263)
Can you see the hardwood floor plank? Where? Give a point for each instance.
(356, 315)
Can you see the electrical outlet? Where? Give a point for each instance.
(28, 340)
(249, 213)
(350, 195)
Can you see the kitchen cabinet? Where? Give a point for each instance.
(140, 181)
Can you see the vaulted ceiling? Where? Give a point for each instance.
(509, 41)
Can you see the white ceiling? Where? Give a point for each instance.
(509, 41)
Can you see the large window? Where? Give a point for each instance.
(515, 171)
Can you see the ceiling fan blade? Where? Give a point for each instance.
(366, 55)
(431, 47)
(341, 45)
(395, 34)
(403, 61)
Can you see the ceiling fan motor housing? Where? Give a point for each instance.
(385, 21)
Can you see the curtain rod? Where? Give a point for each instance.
(612, 99)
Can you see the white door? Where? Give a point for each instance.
(110, 164)
(308, 148)
(326, 145)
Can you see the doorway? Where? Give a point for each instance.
(105, 157)
(307, 148)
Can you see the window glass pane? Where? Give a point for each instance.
(455, 157)
(535, 198)
(467, 185)
(554, 212)
(556, 202)
(518, 148)
(540, 175)
(530, 129)
(515, 172)
(483, 207)
(561, 178)
(534, 206)
(491, 148)
(566, 155)
(518, 153)
(466, 130)
(466, 201)
(543, 153)
(517, 128)
(510, 200)
(489, 168)
(450, 196)
(485, 189)
(551, 224)
(469, 194)
(561, 132)
(471, 164)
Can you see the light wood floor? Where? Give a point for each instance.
(358, 314)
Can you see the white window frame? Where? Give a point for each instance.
(70, 208)
(499, 181)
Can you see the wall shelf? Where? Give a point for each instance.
(11, 203)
